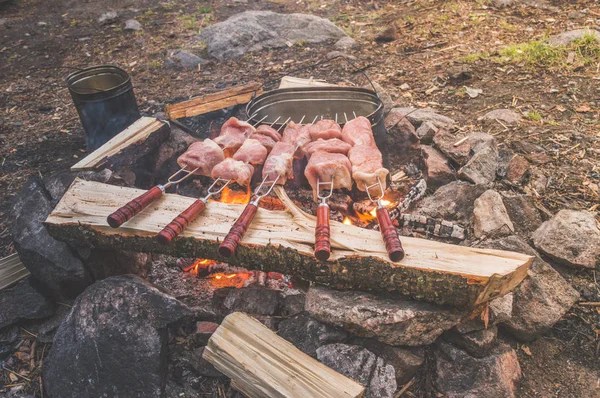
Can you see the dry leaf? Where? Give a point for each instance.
(583, 109)
(526, 350)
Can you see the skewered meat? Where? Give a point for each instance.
(231, 169)
(325, 166)
(203, 155)
(279, 163)
(233, 134)
(358, 132)
(265, 129)
(367, 166)
(266, 141)
(334, 145)
(251, 151)
(298, 135)
(325, 129)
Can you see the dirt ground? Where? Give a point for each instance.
(40, 132)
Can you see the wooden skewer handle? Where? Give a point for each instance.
(390, 235)
(179, 223)
(322, 233)
(237, 231)
(132, 208)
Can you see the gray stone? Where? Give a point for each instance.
(506, 116)
(437, 172)
(477, 343)
(308, 334)
(541, 299)
(346, 43)
(105, 263)
(108, 17)
(113, 342)
(253, 300)
(50, 261)
(523, 213)
(452, 202)
(490, 218)
(23, 302)
(401, 138)
(182, 59)
(566, 38)
(571, 238)
(292, 304)
(336, 54)
(481, 167)
(500, 310)
(361, 365)
(445, 142)
(417, 116)
(517, 170)
(255, 30)
(460, 375)
(199, 364)
(57, 184)
(132, 24)
(391, 321)
(169, 151)
(426, 132)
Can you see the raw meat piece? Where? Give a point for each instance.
(298, 135)
(265, 129)
(367, 167)
(203, 155)
(233, 134)
(325, 129)
(358, 132)
(231, 169)
(279, 163)
(251, 151)
(266, 141)
(324, 166)
(334, 145)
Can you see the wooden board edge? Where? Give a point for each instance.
(499, 285)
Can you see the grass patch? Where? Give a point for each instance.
(470, 58)
(534, 116)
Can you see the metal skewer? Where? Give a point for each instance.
(138, 204)
(239, 228)
(388, 231)
(322, 230)
(179, 223)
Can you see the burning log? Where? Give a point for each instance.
(262, 364)
(282, 241)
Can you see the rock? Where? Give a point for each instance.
(253, 300)
(426, 132)
(459, 74)
(500, 310)
(539, 181)
(292, 304)
(566, 38)
(23, 302)
(182, 59)
(417, 116)
(391, 321)
(132, 24)
(473, 92)
(460, 375)
(541, 299)
(452, 202)
(50, 261)
(255, 30)
(169, 151)
(437, 172)
(445, 142)
(384, 96)
(336, 54)
(47, 329)
(490, 218)
(204, 330)
(571, 238)
(346, 43)
(477, 343)
(308, 334)
(108, 17)
(361, 365)
(387, 35)
(201, 365)
(481, 168)
(401, 138)
(523, 213)
(404, 87)
(105, 263)
(517, 170)
(113, 342)
(506, 116)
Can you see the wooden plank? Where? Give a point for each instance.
(12, 270)
(213, 102)
(262, 364)
(282, 241)
(144, 135)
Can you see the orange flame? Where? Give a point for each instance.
(201, 262)
(230, 280)
(371, 215)
(235, 197)
(347, 221)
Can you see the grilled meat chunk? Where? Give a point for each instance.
(333, 145)
(325, 167)
(325, 129)
(279, 163)
(358, 132)
(233, 134)
(236, 170)
(203, 155)
(251, 151)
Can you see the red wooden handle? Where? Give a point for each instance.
(179, 223)
(322, 244)
(390, 235)
(237, 231)
(132, 208)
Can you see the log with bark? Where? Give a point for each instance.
(127, 147)
(262, 364)
(282, 241)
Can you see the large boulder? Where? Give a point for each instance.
(114, 341)
(391, 321)
(490, 218)
(453, 202)
(570, 238)
(460, 375)
(23, 302)
(361, 365)
(255, 30)
(308, 334)
(50, 261)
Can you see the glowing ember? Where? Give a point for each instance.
(235, 197)
(199, 263)
(240, 279)
(347, 221)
